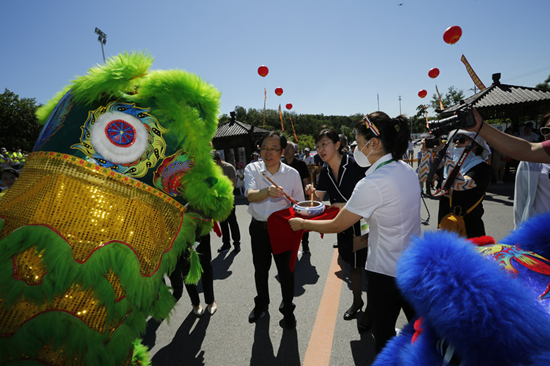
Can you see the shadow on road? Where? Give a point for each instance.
(304, 274)
(363, 350)
(221, 264)
(185, 348)
(262, 348)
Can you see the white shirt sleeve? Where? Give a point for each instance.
(365, 199)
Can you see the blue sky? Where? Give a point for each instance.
(330, 57)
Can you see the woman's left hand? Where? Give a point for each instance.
(296, 223)
(338, 205)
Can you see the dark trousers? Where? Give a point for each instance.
(207, 278)
(230, 222)
(261, 258)
(305, 238)
(386, 302)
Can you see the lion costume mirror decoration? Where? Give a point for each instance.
(119, 181)
(491, 309)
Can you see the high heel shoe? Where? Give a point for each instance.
(211, 308)
(198, 310)
(350, 314)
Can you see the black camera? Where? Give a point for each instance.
(431, 142)
(463, 118)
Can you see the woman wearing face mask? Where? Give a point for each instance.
(469, 187)
(338, 177)
(388, 197)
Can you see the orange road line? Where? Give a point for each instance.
(320, 344)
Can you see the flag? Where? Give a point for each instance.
(292, 123)
(439, 97)
(472, 73)
(281, 117)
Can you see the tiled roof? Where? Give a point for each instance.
(504, 97)
(237, 129)
(502, 94)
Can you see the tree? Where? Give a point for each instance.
(18, 122)
(452, 97)
(305, 141)
(545, 85)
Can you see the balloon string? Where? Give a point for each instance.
(295, 136)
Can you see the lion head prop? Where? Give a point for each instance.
(119, 181)
(479, 304)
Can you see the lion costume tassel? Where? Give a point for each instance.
(119, 181)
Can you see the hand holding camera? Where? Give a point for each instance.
(463, 119)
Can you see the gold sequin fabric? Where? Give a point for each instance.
(90, 207)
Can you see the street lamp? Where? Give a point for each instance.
(101, 39)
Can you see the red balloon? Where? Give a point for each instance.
(279, 91)
(263, 70)
(422, 93)
(433, 73)
(452, 34)
(289, 106)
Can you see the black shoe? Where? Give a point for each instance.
(237, 248)
(335, 245)
(224, 249)
(255, 314)
(350, 314)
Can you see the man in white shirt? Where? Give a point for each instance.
(265, 198)
(308, 159)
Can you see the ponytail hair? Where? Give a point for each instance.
(394, 133)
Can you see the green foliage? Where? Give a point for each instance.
(545, 85)
(305, 141)
(452, 97)
(305, 125)
(18, 123)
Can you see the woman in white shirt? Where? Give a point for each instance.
(388, 197)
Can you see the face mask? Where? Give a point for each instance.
(360, 158)
(457, 152)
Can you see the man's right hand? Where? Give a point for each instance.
(309, 189)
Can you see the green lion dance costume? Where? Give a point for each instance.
(119, 183)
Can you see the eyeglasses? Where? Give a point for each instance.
(266, 150)
(323, 145)
(545, 130)
(459, 140)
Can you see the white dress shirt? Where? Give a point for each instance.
(286, 178)
(389, 199)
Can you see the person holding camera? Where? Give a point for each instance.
(514, 147)
(388, 197)
(467, 183)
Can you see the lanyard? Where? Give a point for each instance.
(384, 163)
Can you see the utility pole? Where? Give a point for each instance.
(378, 100)
(400, 105)
(102, 39)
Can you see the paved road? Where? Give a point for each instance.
(227, 338)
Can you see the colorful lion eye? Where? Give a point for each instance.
(119, 137)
